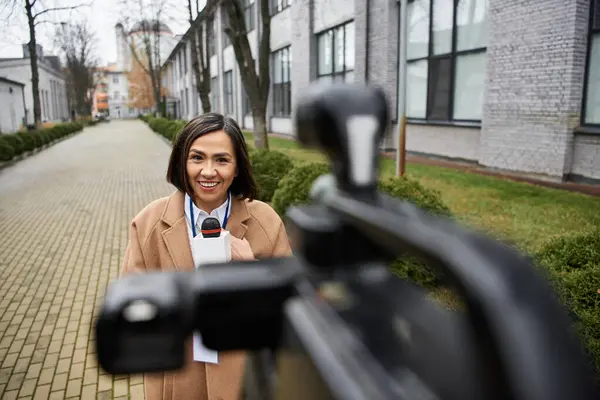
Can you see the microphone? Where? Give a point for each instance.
(211, 228)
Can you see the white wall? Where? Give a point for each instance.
(12, 111)
(53, 94)
(118, 93)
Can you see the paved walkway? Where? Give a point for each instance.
(63, 230)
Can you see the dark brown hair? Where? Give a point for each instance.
(243, 184)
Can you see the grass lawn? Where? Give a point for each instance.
(526, 214)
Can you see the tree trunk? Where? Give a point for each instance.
(35, 78)
(205, 99)
(259, 116)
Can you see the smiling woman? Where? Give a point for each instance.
(210, 169)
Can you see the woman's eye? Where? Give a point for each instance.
(222, 160)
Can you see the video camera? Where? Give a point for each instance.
(340, 324)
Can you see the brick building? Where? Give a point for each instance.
(507, 84)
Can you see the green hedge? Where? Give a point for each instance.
(268, 168)
(164, 127)
(572, 264)
(14, 144)
(295, 187)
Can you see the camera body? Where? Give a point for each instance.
(339, 323)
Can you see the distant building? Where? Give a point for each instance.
(12, 111)
(127, 86)
(52, 85)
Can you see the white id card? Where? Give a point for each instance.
(203, 354)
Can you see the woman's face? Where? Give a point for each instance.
(211, 167)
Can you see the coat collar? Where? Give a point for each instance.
(176, 234)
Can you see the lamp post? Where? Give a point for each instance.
(401, 146)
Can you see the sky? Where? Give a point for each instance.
(102, 16)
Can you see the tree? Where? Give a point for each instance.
(141, 93)
(201, 34)
(144, 35)
(257, 84)
(77, 43)
(36, 14)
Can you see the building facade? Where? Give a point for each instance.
(52, 86)
(510, 85)
(12, 112)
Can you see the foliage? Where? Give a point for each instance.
(268, 167)
(7, 152)
(572, 265)
(165, 127)
(14, 144)
(294, 187)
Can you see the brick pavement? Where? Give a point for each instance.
(63, 230)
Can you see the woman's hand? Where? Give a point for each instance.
(241, 250)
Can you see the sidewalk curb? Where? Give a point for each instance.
(33, 152)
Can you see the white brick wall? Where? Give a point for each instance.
(534, 84)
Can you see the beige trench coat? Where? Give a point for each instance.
(158, 240)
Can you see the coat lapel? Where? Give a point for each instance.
(176, 235)
(239, 215)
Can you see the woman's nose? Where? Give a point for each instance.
(208, 172)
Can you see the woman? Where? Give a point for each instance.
(210, 168)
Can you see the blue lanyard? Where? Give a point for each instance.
(193, 220)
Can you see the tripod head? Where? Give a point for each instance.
(342, 325)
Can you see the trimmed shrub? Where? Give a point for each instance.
(29, 142)
(7, 152)
(15, 141)
(294, 187)
(411, 190)
(268, 168)
(572, 266)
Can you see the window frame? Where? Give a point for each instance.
(591, 32)
(274, 8)
(228, 93)
(249, 14)
(214, 93)
(224, 25)
(282, 91)
(453, 55)
(333, 74)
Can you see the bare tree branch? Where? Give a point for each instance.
(48, 10)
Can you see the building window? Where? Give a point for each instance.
(336, 53)
(115, 79)
(446, 54)
(214, 93)
(184, 56)
(225, 23)
(228, 92)
(591, 110)
(282, 82)
(249, 15)
(247, 107)
(210, 32)
(277, 6)
(116, 95)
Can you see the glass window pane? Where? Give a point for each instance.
(338, 42)
(349, 46)
(277, 67)
(442, 26)
(326, 78)
(596, 17)
(592, 101)
(468, 86)
(418, 29)
(438, 88)
(471, 24)
(285, 71)
(325, 50)
(416, 89)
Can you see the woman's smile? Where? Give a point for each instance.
(208, 186)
